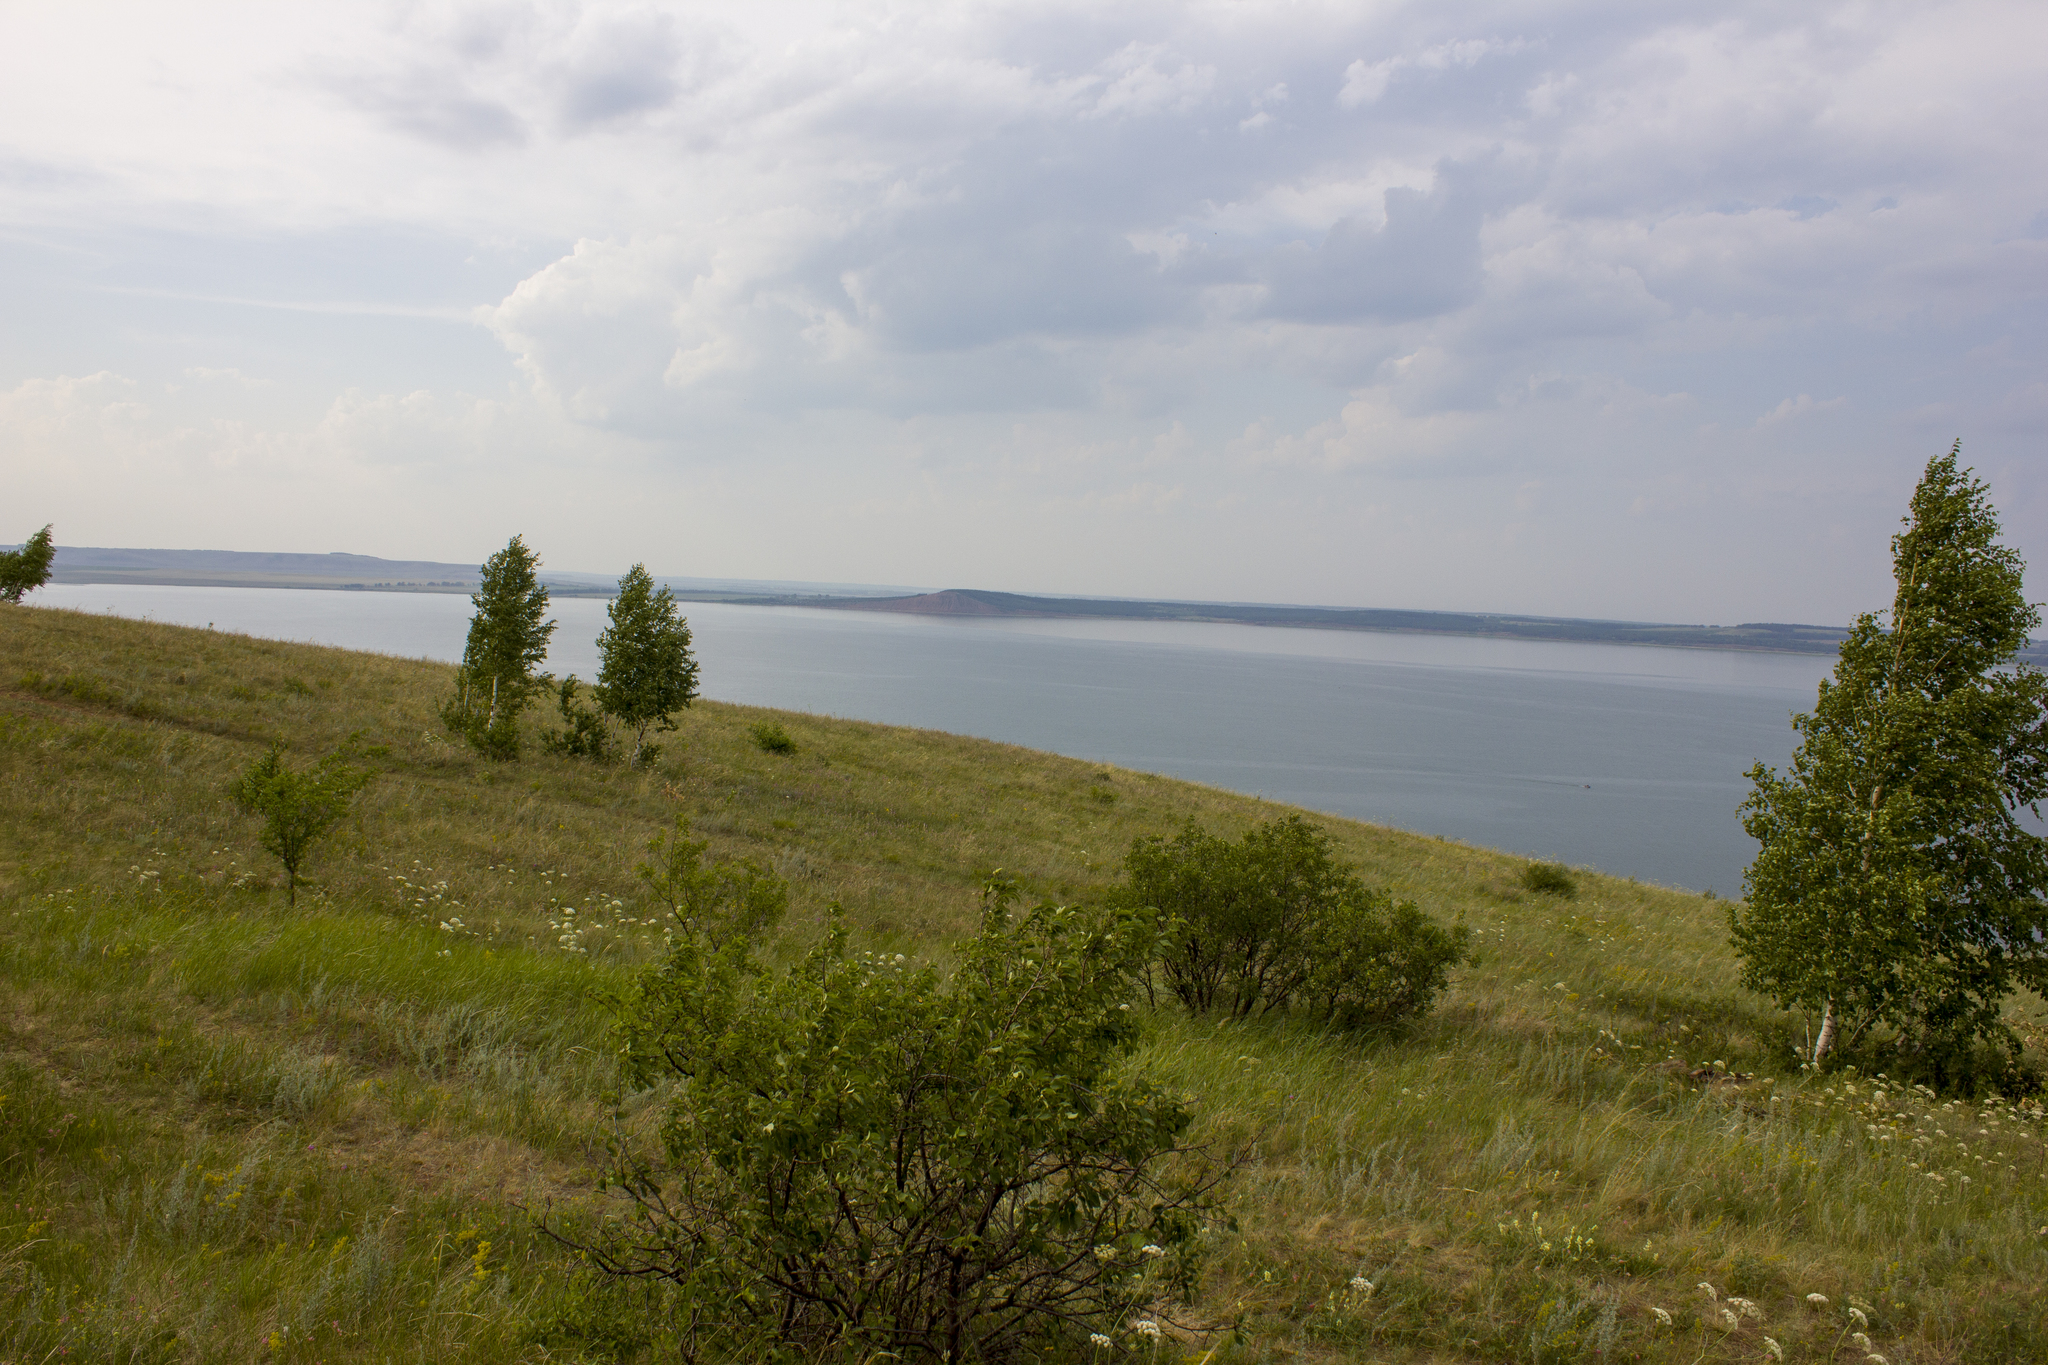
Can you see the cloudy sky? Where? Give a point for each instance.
(1626, 308)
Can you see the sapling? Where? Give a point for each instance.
(297, 807)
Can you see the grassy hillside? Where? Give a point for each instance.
(233, 1133)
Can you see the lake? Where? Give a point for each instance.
(1624, 758)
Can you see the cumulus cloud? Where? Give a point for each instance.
(1680, 264)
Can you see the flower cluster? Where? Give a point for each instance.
(1949, 1144)
(1551, 1245)
(423, 898)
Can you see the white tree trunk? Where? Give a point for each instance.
(1827, 1033)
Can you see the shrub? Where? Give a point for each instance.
(726, 901)
(1275, 920)
(772, 738)
(584, 733)
(1381, 962)
(1549, 879)
(1238, 915)
(865, 1156)
(297, 807)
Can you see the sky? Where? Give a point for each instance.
(1634, 309)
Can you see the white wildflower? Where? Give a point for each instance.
(1145, 1327)
(1817, 1300)
(1709, 1290)
(1729, 1320)
(1746, 1307)
(1857, 1313)
(1663, 1318)
(1151, 1250)
(1875, 1359)
(1773, 1350)
(1104, 1252)
(1862, 1342)
(1097, 1339)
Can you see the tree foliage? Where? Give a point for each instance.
(1895, 884)
(297, 807)
(867, 1156)
(1274, 921)
(508, 640)
(584, 733)
(646, 673)
(23, 571)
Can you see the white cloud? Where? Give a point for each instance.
(1794, 408)
(974, 260)
(1365, 82)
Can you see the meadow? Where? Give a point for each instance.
(233, 1132)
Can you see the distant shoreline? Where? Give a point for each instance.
(365, 573)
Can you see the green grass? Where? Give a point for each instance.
(233, 1133)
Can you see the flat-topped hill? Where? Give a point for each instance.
(237, 1132)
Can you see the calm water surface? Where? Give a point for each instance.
(1625, 758)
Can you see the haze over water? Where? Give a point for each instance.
(1625, 758)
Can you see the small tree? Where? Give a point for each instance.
(297, 807)
(508, 639)
(645, 674)
(23, 571)
(1895, 884)
(866, 1156)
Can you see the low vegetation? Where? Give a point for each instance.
(239, 1131)
(1274, 922)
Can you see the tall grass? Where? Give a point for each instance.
(229, 1132)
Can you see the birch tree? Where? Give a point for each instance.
(508, 639)
(1896, 884)
(23, 571)
(645, 672)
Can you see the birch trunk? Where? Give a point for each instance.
(1827, 1033)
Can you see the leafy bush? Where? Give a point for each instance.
(1274, 920)
(728, 901)
(1549, 879)
(1380, 962)
(297, 807)
(772, 738)
(865, 1156)
(584, 733)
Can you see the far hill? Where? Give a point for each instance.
(1753, 636)
(368, 573)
